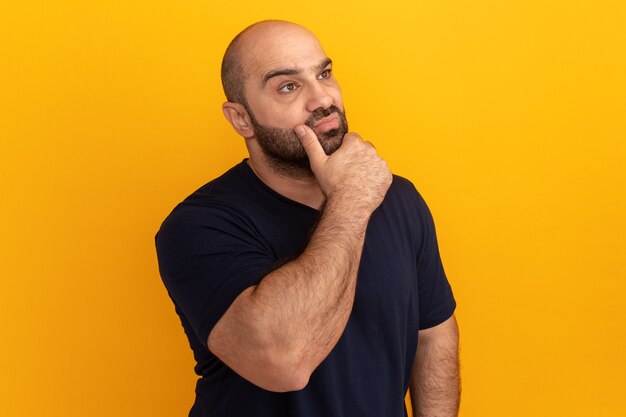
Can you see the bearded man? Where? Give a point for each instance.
(305, 276)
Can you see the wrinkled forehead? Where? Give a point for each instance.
(279, 47)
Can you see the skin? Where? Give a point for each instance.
(435, 388)
(276, 333)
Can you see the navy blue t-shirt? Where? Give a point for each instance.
(227, 235)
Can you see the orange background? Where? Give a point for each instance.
(508, 116)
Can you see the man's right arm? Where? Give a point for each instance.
(276, 333)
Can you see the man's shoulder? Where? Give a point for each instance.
(227, 186)
(404, 199)
(402, 184)
(403, 189)
(219, 200)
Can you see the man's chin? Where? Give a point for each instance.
(330, 140)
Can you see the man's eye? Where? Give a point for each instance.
(287, 88)
(324, 74)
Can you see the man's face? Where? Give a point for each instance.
(289, 81)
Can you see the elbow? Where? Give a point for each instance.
(270, 376)
(246, 344)
(269, 368)
(283, 375)
(286, 383)
(299, 382)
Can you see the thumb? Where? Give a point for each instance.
(311, 145)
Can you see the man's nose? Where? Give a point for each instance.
(319, 96)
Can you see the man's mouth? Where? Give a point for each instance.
(327, 123)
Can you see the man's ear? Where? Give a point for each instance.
(239, 118)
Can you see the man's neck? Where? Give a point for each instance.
(303, 189)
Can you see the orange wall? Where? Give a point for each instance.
(508, 116)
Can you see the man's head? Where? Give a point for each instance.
(275, 76)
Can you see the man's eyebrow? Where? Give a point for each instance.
(276, 73)
(292, 71)
(326, 62)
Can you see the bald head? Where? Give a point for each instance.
(241, 51)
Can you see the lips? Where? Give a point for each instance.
(327, 123)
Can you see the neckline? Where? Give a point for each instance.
(251, 175)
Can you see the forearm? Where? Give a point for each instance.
(305, 304)
(293, 318)
(435, 384)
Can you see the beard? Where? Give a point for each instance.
(283, 149)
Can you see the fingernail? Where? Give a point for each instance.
(300, 131)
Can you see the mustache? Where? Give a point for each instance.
(320, 113)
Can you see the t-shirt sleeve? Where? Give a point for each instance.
(207, 257)
(436, 300)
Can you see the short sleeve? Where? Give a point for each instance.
(436, 300)
(207, 257)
